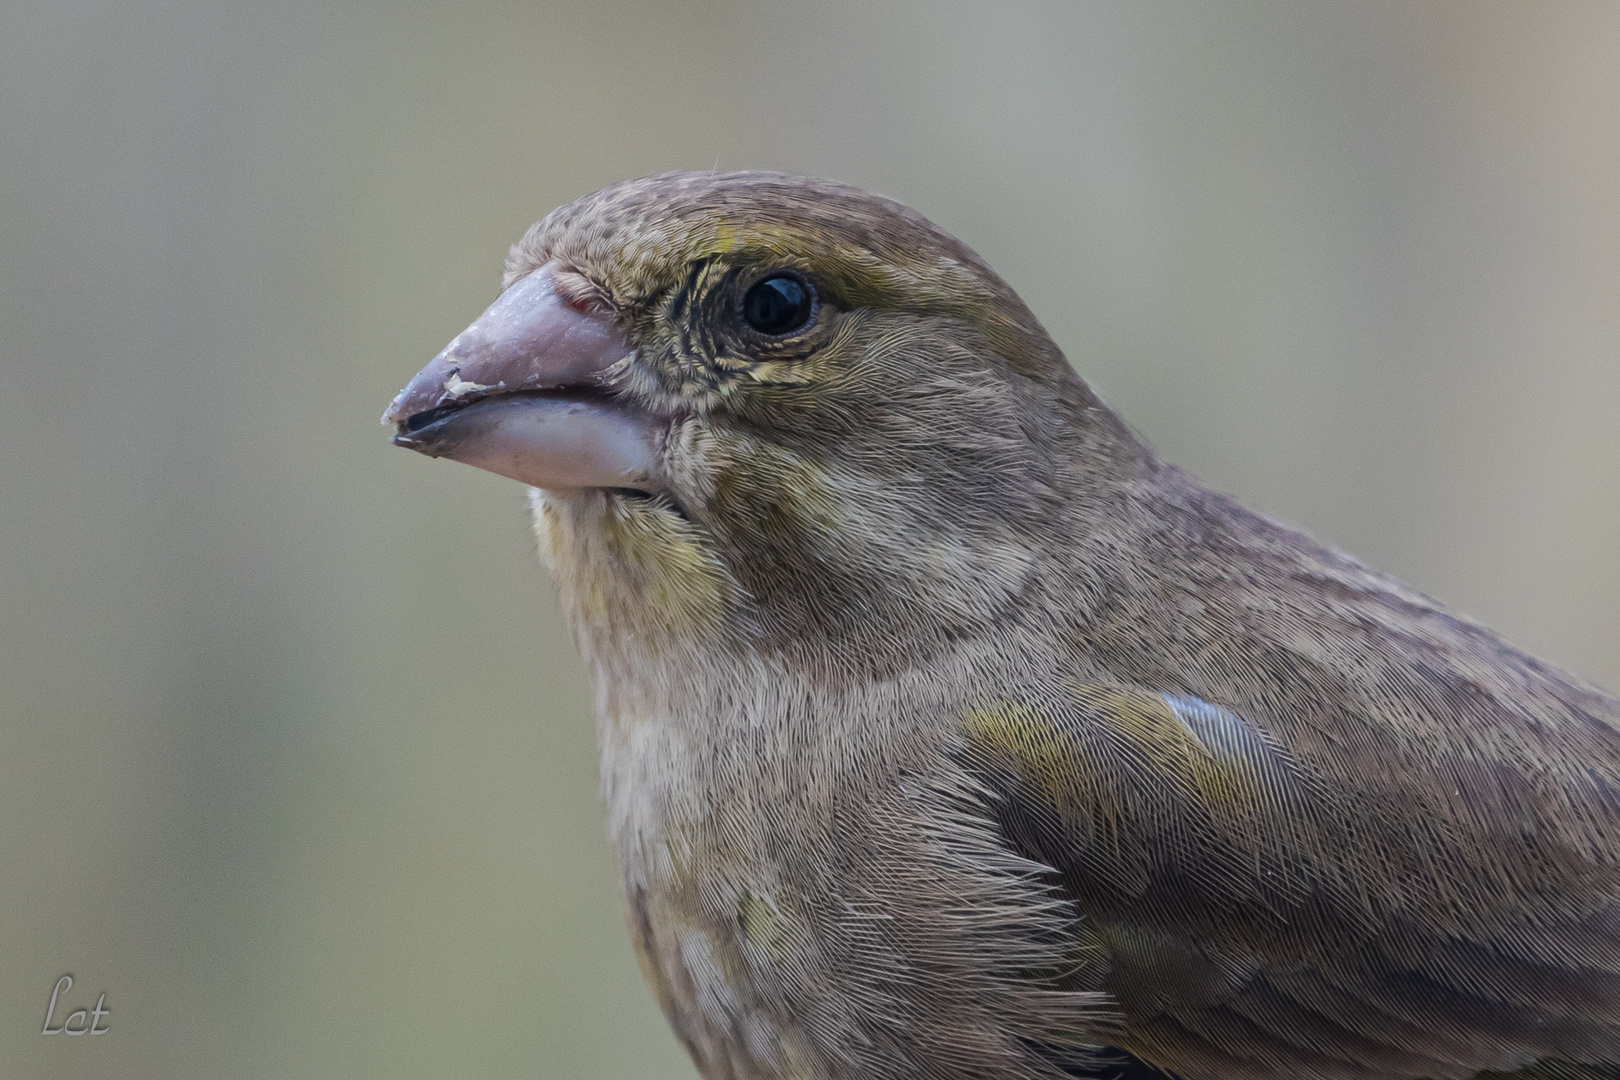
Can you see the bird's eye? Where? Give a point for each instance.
(780, 304)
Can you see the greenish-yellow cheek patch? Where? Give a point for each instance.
(673, 573)
(778, 493)
(621, 556)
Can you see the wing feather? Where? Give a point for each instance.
(1256, 928)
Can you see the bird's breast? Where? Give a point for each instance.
(718, 927)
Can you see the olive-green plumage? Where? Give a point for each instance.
(949, 733)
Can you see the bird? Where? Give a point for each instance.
(948, 732)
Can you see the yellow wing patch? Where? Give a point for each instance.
(1113, 750)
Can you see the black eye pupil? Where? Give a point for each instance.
(778, 305)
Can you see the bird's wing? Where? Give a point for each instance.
(1255, 927)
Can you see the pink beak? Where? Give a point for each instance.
(520, 392)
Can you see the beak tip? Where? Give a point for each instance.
(394, 415)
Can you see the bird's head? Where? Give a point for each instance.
(768, 412)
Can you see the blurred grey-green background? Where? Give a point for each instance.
(296, 760)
